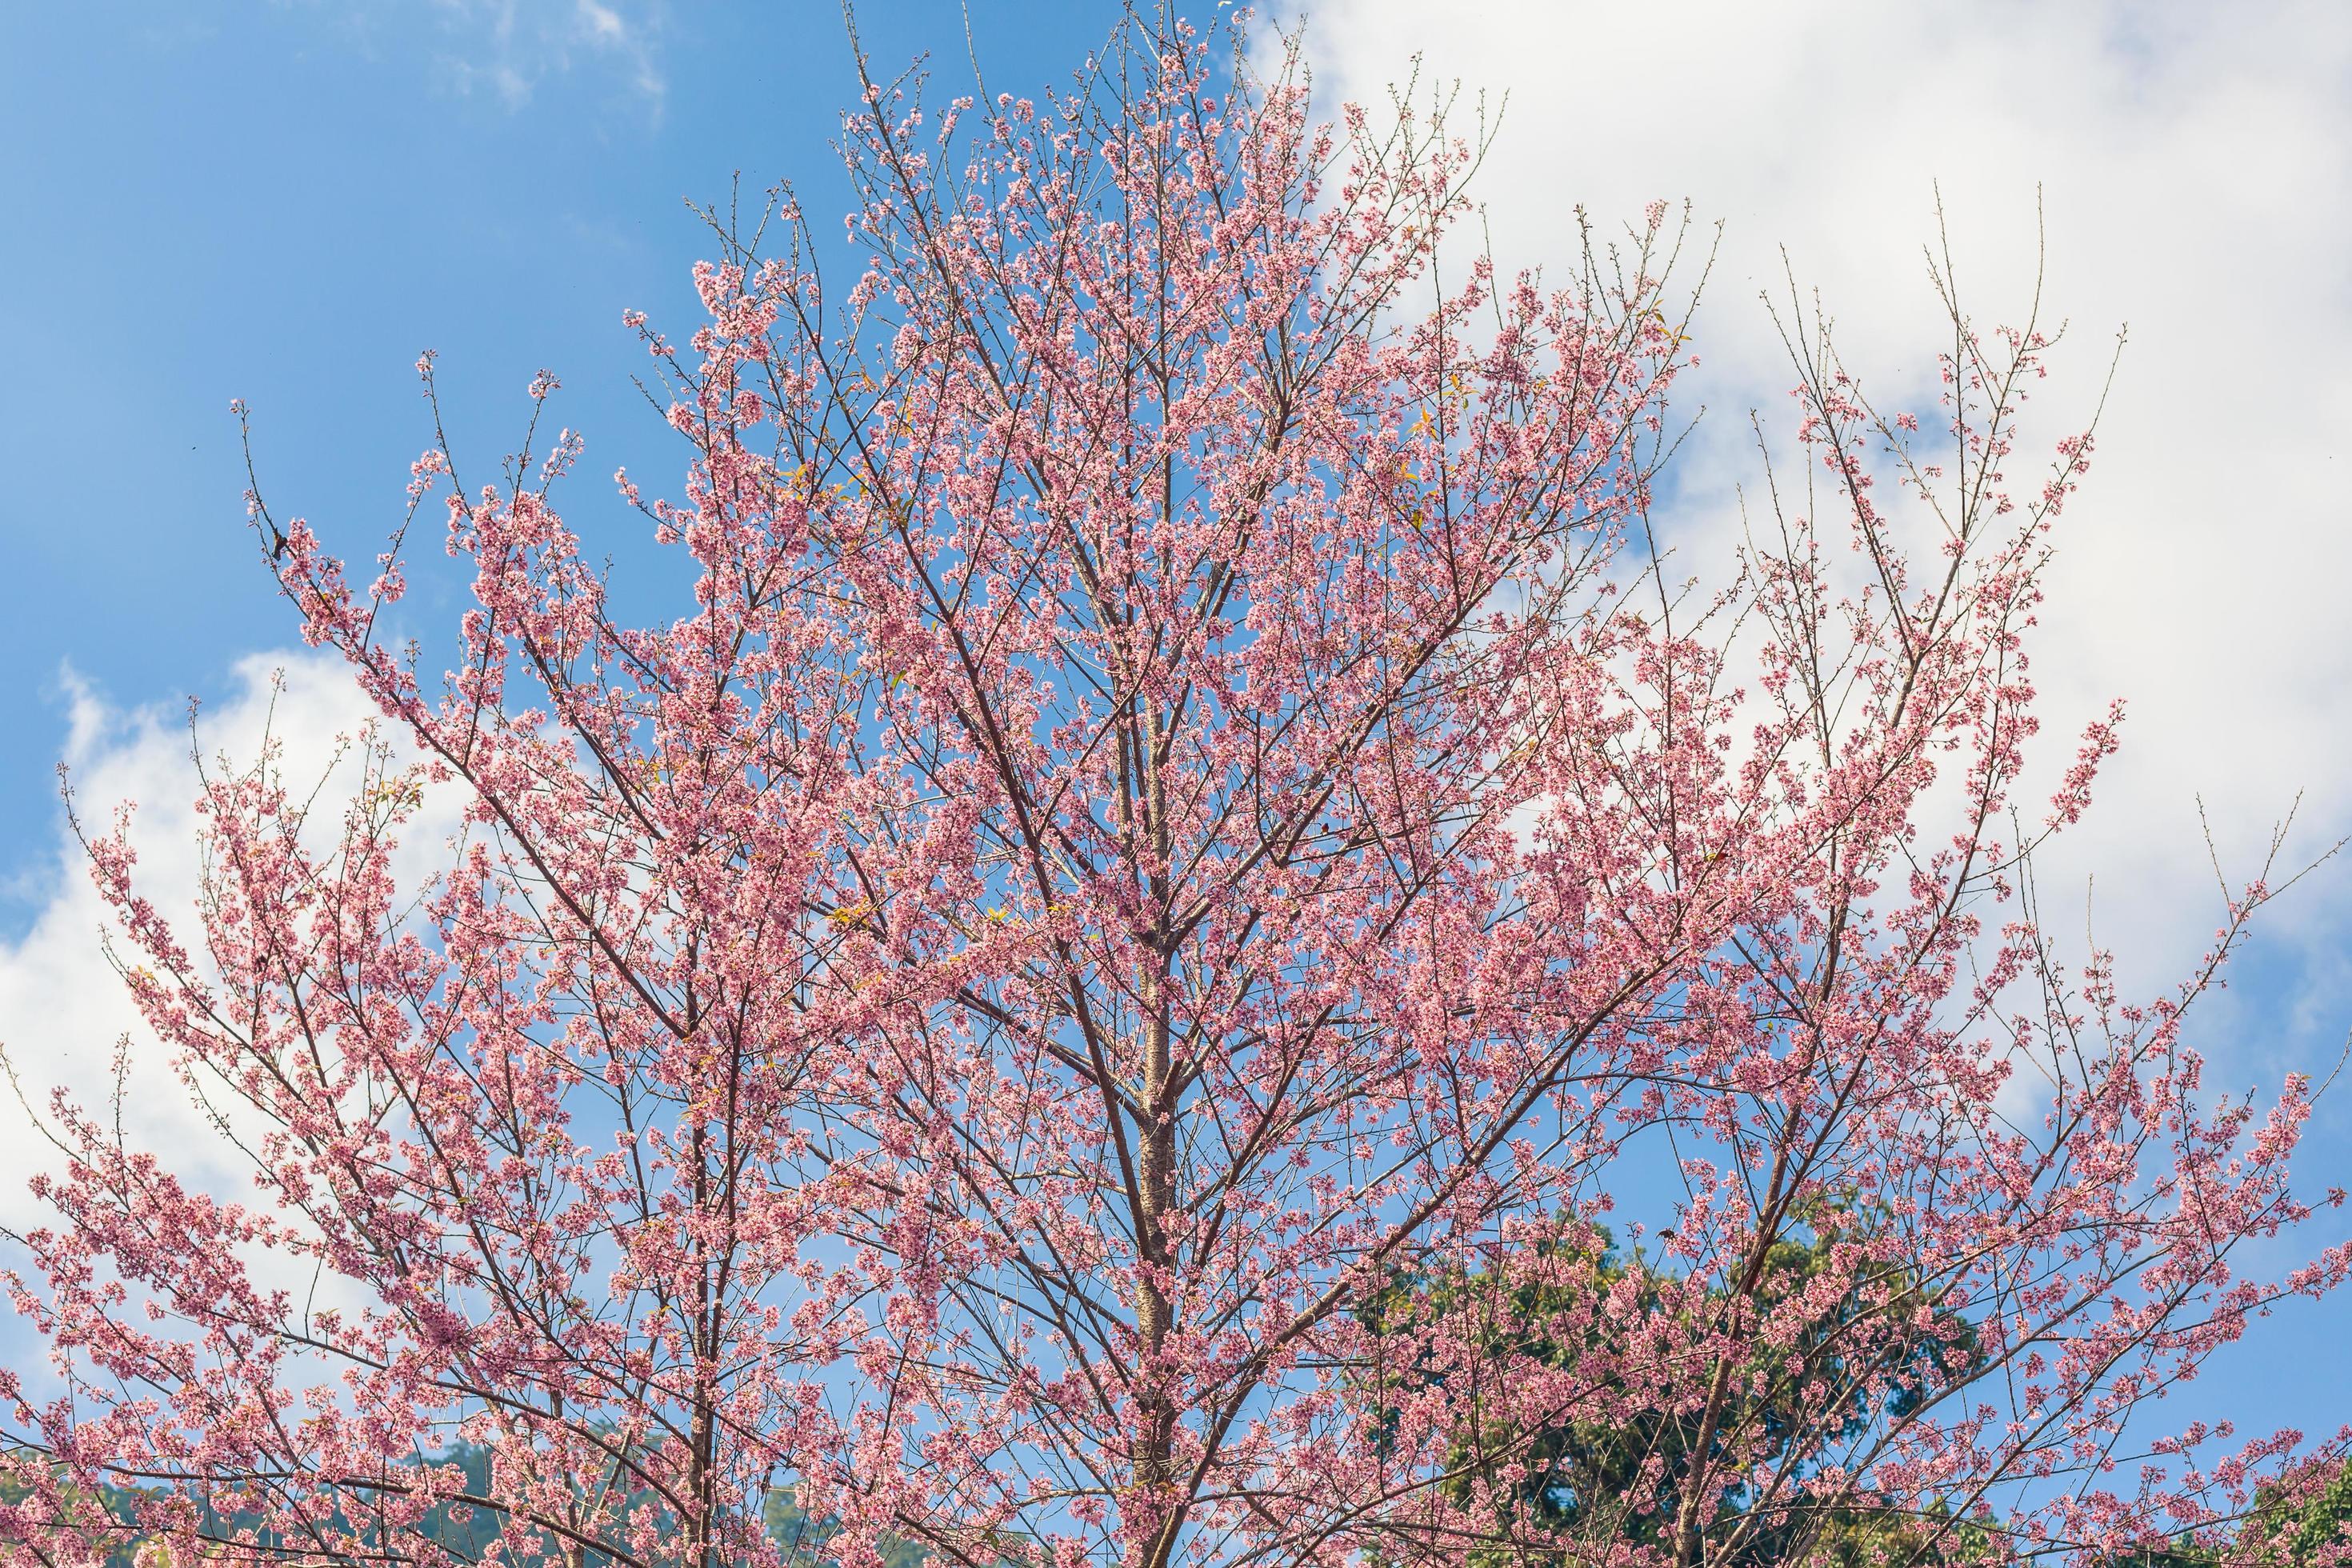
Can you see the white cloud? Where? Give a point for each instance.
(601, 22)
(2192, 161)
(62, 1008)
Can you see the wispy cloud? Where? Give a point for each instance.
(510, 46)
(510, 49)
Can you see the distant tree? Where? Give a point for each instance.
(17, 1490)
(2301, 1520)
(1611, 1472)
(1608, 1476)
(1184, 794)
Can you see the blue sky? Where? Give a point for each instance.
(285, 200)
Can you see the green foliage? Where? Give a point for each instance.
(117, 1501)
(1620, 1479)
(2277, 1534)
(2294, 1537)
(1584, 1479)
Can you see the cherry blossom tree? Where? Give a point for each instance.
(1091, 997)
